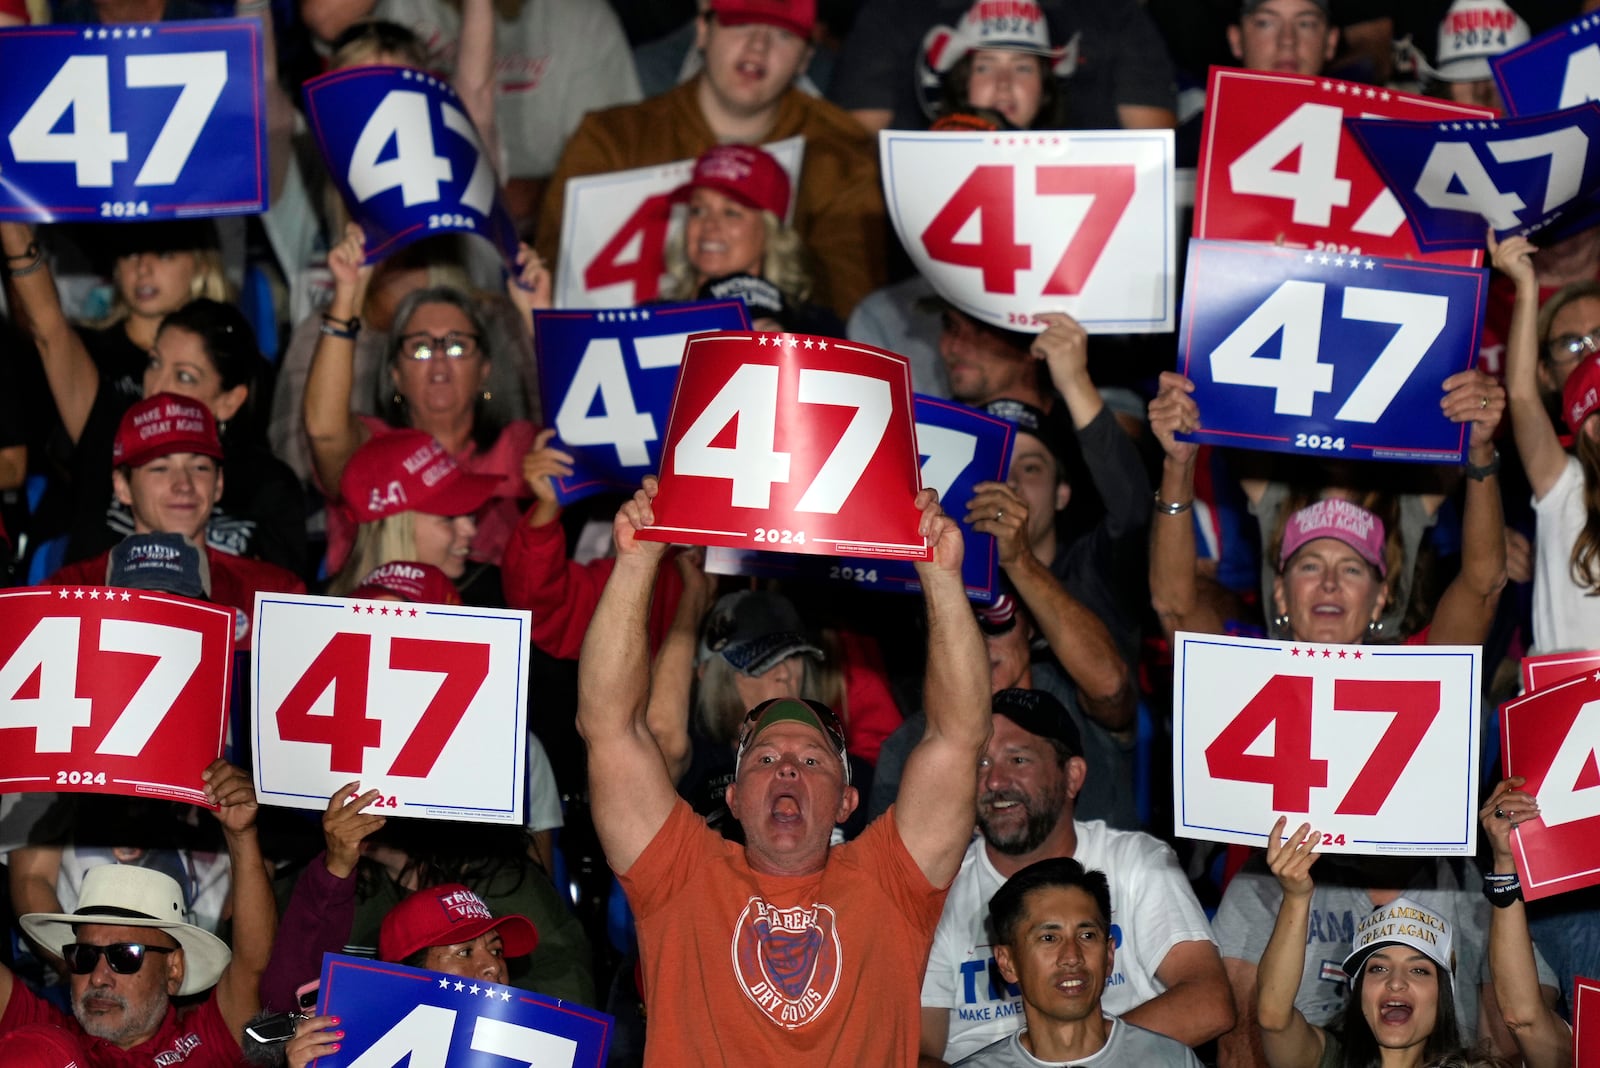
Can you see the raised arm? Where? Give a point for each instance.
(474, 80)
(672, 674)
(1538, 440)
(1079, 639)
(1174, 590)
(332, 428)
(254, 910)
(937, 805)
(1543, 1038)
(1288, 1040)
(72, 375)
(630, 793)
(1467, 607)
(1113, 461)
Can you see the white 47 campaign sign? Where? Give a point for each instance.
(1375, 746)
(1007, 225)
(425, 703)
(614, 230)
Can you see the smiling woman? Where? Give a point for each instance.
(1401, 1011)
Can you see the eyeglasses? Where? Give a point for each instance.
(452, 346)
(124, 958)
(1570, 348)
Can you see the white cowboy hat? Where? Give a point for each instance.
(124, 895)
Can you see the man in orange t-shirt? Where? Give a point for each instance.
(786, 944)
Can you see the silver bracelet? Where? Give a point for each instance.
(1172, 507)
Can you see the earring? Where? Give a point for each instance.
(1279, 622)
(1375, 628)
(488, 395)
(398, 401)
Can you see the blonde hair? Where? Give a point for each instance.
(720, 710)
(377, 543)
(209, 281)
(783, 263)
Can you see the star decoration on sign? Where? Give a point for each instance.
(1324, 261)
(1327, 654)
(444, 984)
(761, 339)
(77, 594)
(461, 986)
(1294, 651)
(65, 593)
(1342, 88)
(1341, 654)
(413, 613)
(126, 596)
(1358, 654)
(1370, 265)
(473, 989)
(810, 344)
(383, 611)
(1596, 676)
(370, 610)
(821, 344)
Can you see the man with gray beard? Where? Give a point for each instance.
(1167, 977)
(130, 953)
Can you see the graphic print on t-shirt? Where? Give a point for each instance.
(787, 960)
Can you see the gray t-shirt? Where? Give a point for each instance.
(1126, 1044)
(1249, 909)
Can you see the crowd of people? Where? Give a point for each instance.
(769, 817)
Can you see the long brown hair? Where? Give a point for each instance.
(1585, 562)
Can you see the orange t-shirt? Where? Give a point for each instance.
(741, 968)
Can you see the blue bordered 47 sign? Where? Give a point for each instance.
(406, 158)
(1375, 746)
(425, 703)
(143, 121)
(391, 1013)
(1327, 353)
(607, 377)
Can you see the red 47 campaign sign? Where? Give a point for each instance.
(1276, 163)
(1541, 671)
(614, 230)
(1549, 738)
(1376, 746)
(1006, 225)
(427, 703)
(107, 690)
(791, 443)
(1586, 1021)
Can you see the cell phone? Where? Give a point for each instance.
(306, 997)
(270, 1030)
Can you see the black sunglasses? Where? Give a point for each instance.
(124, 958)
